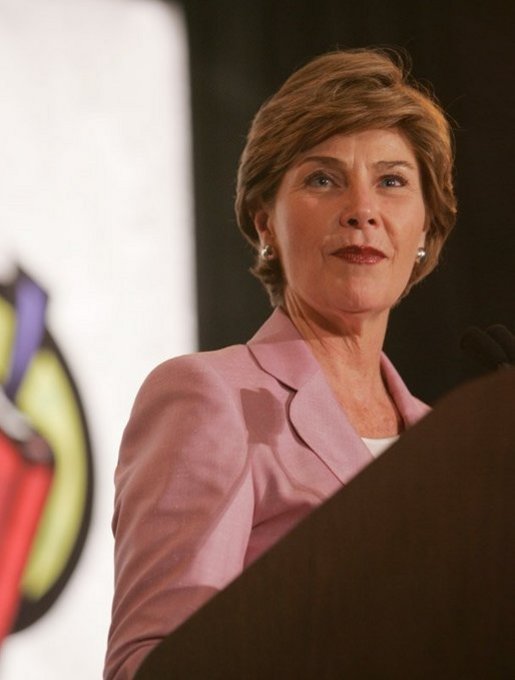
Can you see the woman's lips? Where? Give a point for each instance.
(360, 254)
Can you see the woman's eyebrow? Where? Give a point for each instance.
(332, 161)
(323, 160)
(394, 164)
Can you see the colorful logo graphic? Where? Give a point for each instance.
(46, 481)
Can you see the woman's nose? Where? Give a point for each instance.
(358, 222)
(359, 210)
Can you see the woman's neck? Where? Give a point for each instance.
(348, 349)
(347, 344)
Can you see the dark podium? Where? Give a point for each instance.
(407, 572)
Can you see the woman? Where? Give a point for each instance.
(345, 191)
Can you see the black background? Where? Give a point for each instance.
(240, 52)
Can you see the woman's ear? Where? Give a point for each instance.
(427, 225)
(425, 230)
(262, 225)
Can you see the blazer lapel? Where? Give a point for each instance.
(321, 422)
(314, 412)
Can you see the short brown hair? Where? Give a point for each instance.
(344, 92)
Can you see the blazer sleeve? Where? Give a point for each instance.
(183, 506)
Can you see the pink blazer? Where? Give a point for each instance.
(223, 454)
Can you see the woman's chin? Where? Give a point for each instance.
(362, 301)
(348, 311)
(339, 302)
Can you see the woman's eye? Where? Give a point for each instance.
(392, 181)
(319, 180)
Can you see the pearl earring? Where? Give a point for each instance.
(421, 255)
(267, 252)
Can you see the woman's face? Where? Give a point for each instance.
(346, 223)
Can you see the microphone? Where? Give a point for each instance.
(493, 348)
(505, 339)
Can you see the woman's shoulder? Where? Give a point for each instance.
(188, 393)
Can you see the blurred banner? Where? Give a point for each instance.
(96, 287)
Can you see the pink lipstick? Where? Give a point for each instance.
(360, 254)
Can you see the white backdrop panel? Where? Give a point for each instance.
(96, 204)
